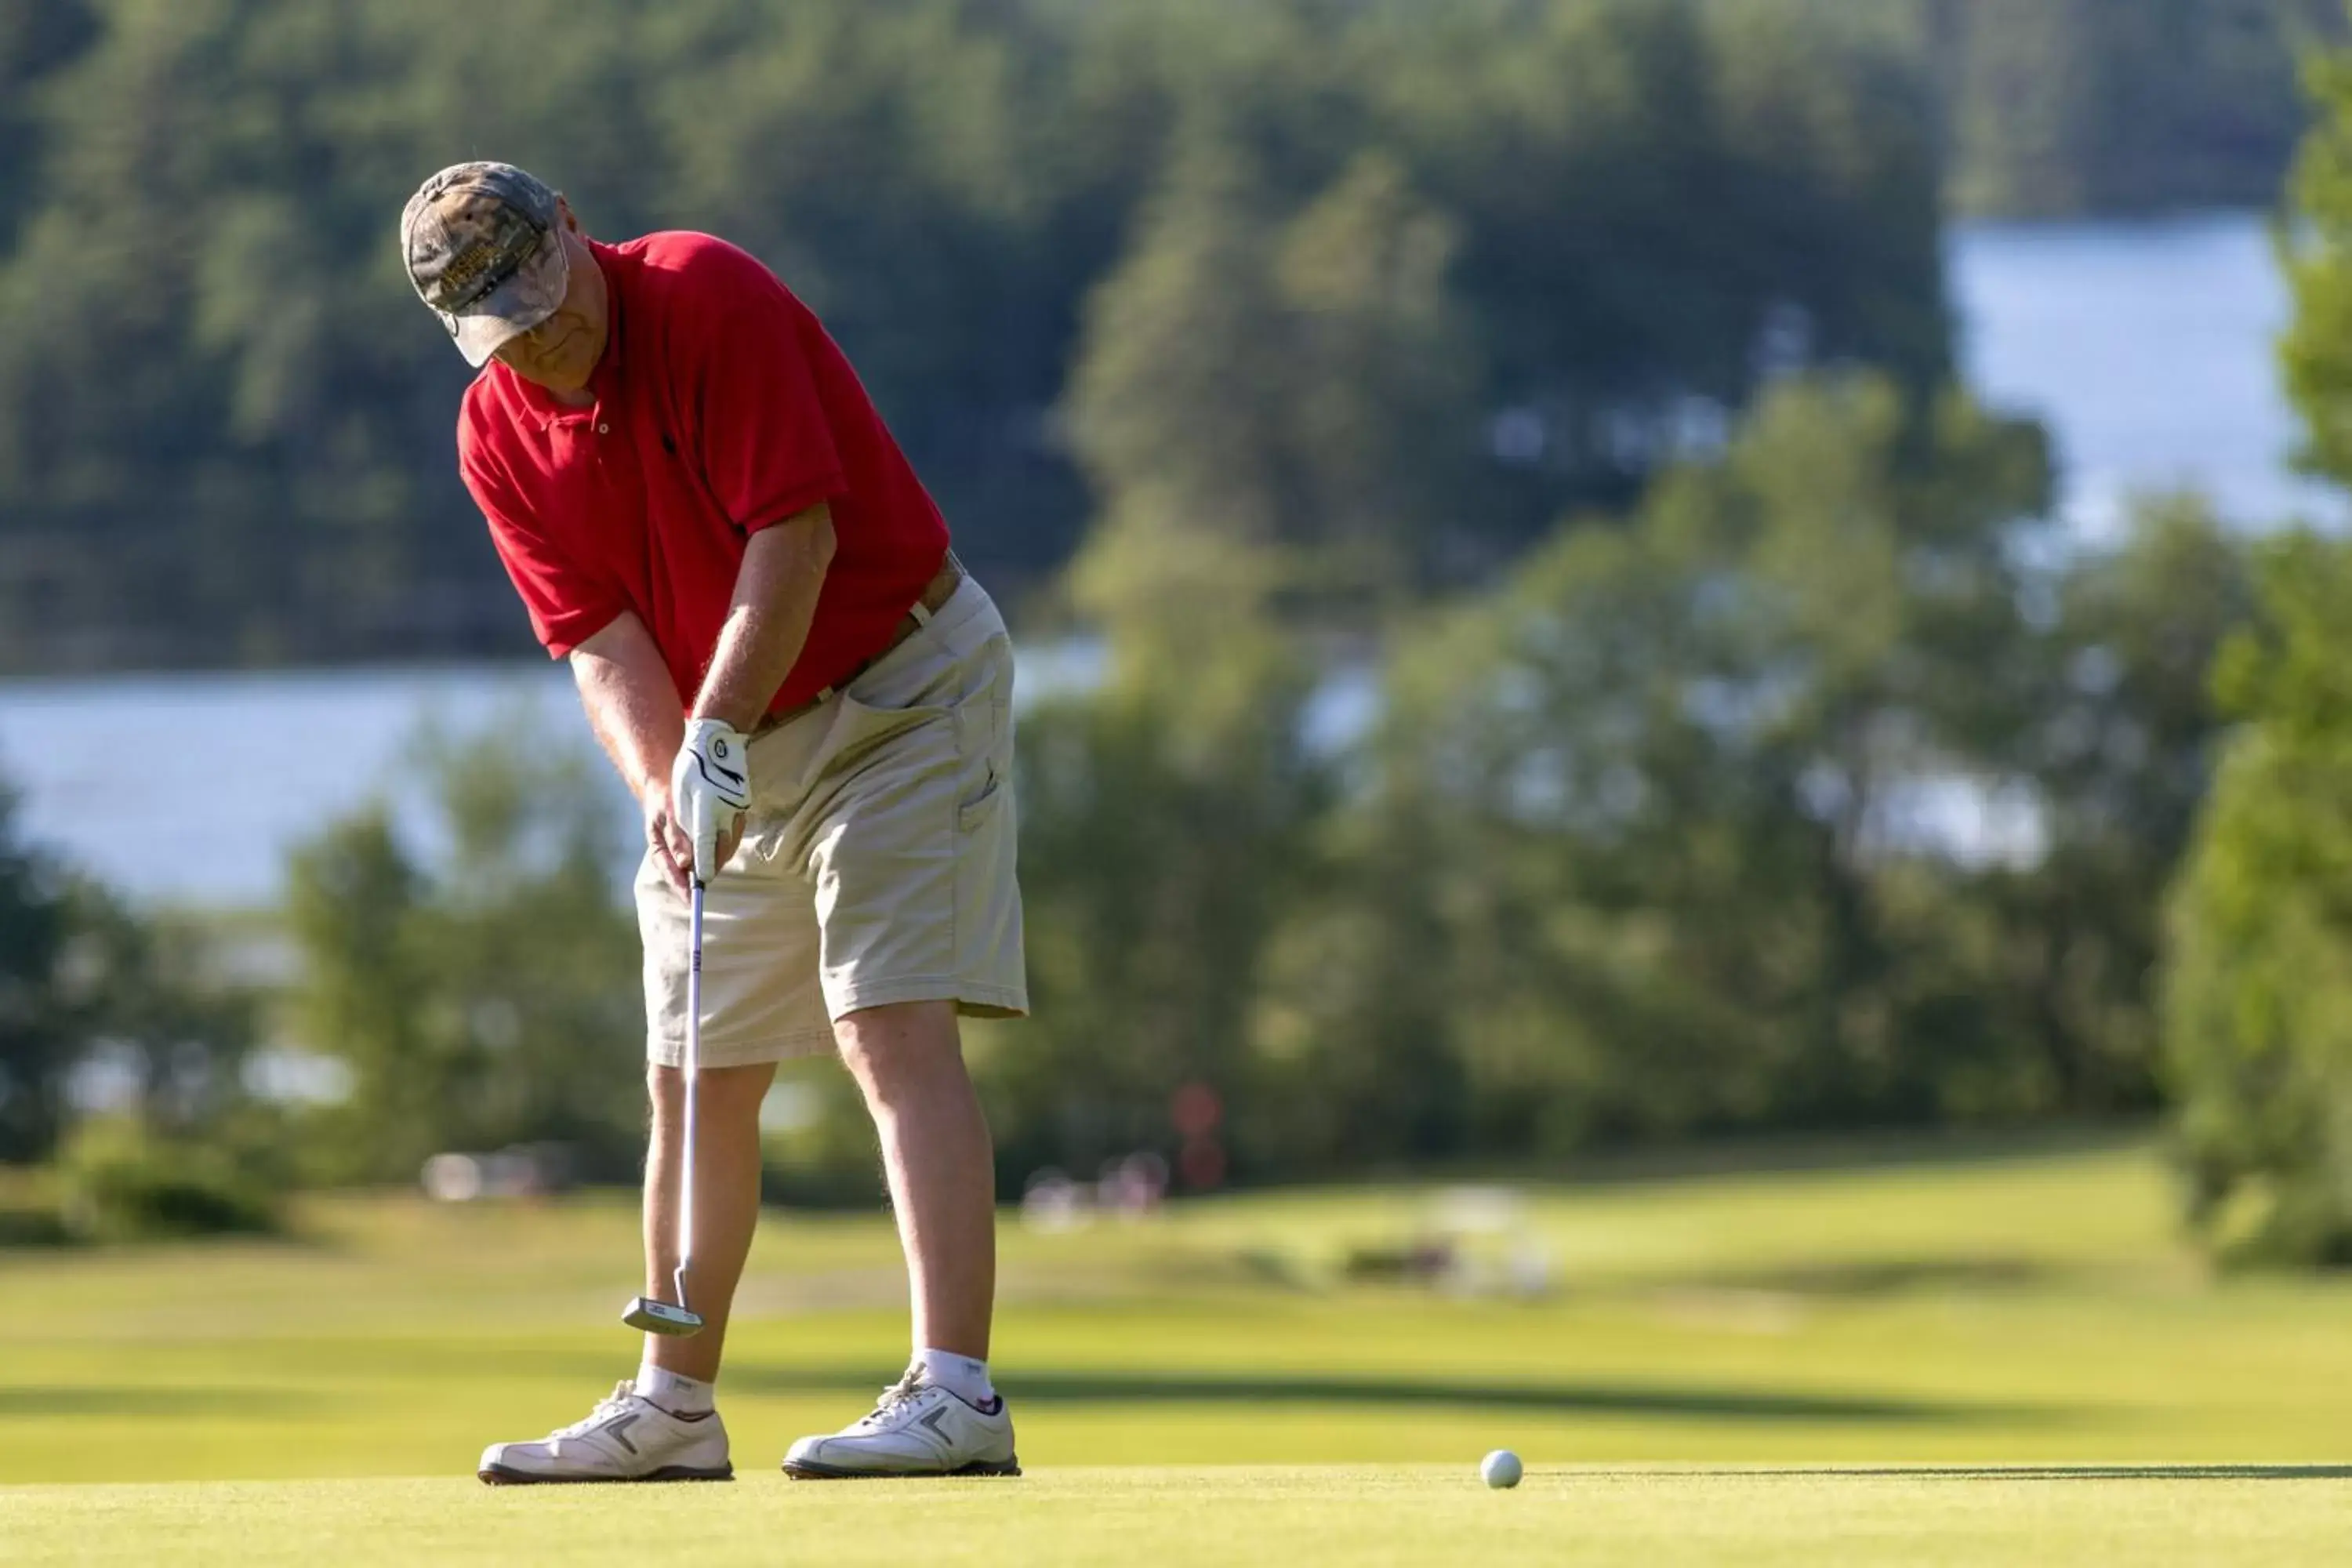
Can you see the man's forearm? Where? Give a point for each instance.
(632, 702)
(768, 622)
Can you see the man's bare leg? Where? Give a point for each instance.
(944, 1417)
(726, 1203)
(907, 1058)
(663, 1424)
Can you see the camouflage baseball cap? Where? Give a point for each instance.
(481, 241)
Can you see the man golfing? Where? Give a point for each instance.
(704, 514)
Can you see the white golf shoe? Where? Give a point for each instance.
(918, 1429)
(626, 1437)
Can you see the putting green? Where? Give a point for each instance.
(1296, 1518)
(1980, 1308)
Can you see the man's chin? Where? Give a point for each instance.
(560, 386)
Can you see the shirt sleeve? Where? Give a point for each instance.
(768, 451)
(568, 604)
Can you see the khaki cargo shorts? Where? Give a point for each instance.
(877, 863)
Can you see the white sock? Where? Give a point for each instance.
(673, 1391)
(960, 1374)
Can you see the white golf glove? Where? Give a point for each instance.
(710, 788)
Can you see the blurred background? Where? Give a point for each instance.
(1687, 720)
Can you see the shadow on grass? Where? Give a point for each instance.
(1892, 1276)
(2022, 1473)
(1895, 1150)
(81, 1400)
(1567, 1398)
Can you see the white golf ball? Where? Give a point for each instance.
(1501, 1468)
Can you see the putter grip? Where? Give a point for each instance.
(702, 828)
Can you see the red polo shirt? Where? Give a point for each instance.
(721, 407)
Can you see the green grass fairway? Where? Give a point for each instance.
(2025, 1324)
(1298, 1518)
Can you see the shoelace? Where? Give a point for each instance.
(899, 1392)
(610, 1406)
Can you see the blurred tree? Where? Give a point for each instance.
(1596, 179)
(1357, 1026)
(2315, 249)
(1177, 403)
(2071, 106)
(1385, 383)
(37, 37)
(1318, 369)
(2055, 109)
(2258, 1017)
(2119, 742)
(198, 364)
(1167, 819)
(89, 982)
(2256, 1005)
(37, 1041)
(353, 899)
(1839, 181)
(1822, 789)
(157, 1005)
(224, 426)
(1665, 792)
(924, 173)
(484, 996)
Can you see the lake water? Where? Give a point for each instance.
(2147, 347)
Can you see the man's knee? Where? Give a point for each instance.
(899, 1042)
(721, 1093)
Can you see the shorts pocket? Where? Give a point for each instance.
(984, 737)
(858, 727)
(971, 813)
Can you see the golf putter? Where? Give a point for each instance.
(647, 1313)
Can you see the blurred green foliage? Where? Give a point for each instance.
(2315, 249)
(1817, 790)
(2258, 1009)
(88, 983)
(1442, 272)
(39, 1041)
(482, 991)
(1734, 742)
(2257, 1015)
(1694, 824)
(121, 1180)
(1665, 787)
(2059, 107)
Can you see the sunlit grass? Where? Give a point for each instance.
(2033, 1307)
(1297, 1518)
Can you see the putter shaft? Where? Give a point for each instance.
(646, 1313)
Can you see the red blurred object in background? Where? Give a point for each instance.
(1201, 1163)
(1196, 1111)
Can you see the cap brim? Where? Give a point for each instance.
(533, 294)
(479, 337)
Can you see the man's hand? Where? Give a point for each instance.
(631, 700)
(709, 790)
(672, 844)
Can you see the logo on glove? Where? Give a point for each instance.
(711, 792)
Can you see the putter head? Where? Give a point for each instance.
(660, 1318)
